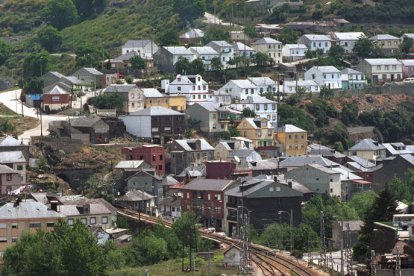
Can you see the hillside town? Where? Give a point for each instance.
(200, 127)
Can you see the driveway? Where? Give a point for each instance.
(9, 100)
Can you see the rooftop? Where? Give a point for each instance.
(156, 111)
(9, 141)
(190, 144)
(262, 81)
(290, 128)
(326, 69)
(152, 93)
(244, 84)
(384, 37)
(135, 195)
(349, 35)
(266, 40)
(382, 61)
(178, 50)
(7, 157)
(193, 33)
(367, 145)
(121, 88)
(136, 43)
(202, 184)
(203, 50)
(129, 164)
(27, 209)
(317, 37)
(300, 161)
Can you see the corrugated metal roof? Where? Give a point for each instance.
(7, 157)
(9, 141)
(27, 209)
(202, 184)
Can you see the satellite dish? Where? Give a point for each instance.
(237, 159)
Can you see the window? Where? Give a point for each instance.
(9, 177)
(273, 106)
(257, 106)
(154, 129)
(14, 239)
(259, 133)
(70, 221)
(188, 195)
(19, 167)
(15, 226)
(208, 197)
(178, 88)
(154, 157)
(92, 220)
(3, 239)
(214, 116)
(55, 98)
(160, 167)
(161, 157)
(378, 67)
(104, 220)
(199, 97)
(50, 224)
(313, 76)
(84, 220)
(3, 225)
(394, 67)
(35, 225)
(265, 106)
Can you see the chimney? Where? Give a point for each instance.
(53, 205)
(290, 184)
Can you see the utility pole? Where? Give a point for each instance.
(398, 264)
(41, 122)
(243, 218)
(322, 237)
(348, 251)
(373, 268)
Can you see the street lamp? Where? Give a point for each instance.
(291, 225)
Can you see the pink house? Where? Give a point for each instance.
(408, 68)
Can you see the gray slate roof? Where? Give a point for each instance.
(184, 144)
(121, 88)
(9, 141)
(367, 144)
(300, 161)
(6, 169)
(135, 195)
(7, 157)
(208, 184)
(262, 189)
(136, 43)
(27, 209)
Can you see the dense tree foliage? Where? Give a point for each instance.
(66, 251)
(196, 67)
(168, 37)
(349, 114)
(248, 113)
(403, 189)
(394, 125)
(296, 116)
(407, 44)
(50, 38)
(189, 10)
(60, 13)
(261, 59)
(365, 48)
(214, 33)
(182, 66)
(5, 50)
(90, 55)
(138, 63)
(287, 35)
(111, 100)
(362, 203)
(89, 8)
(35, 65)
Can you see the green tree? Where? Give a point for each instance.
(288, 36)
(196, 67)
(137, 63)
(349, 114)
(189, 10)
(364, 48)
(6, 127)
(382, 210)
(250, 31)
(147, 250)
(407, 44)
(35, 65)
(68, 250)
(60, 13)
(90, 55)
(5, 51)
(213, 33)
(309, 54)
(261, 59)
(168, 37)
(336, 51)
(362, 203)
(110, 100)
(89, 8)
(185, 228)
(50, 38)
(326, 93)
(278, 16)
(248, 113)
(296, 116)
(182, 66)
(216, 64)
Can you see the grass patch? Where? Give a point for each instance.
(173, 268)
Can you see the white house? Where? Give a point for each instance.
(381, 70)
(192, 86)
(206, 54)
(353, 79)
(240, 89)
(269, 46)
(166, 57)
(264, 108)
(347, 39)
(292, 52)
(145, 48)
(222, 98)
(316, 42)
(225, 50)
(328, 76)
(309, 86)
(409, 35)
(242, 50)
(264, 84)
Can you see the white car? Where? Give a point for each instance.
(408, 80)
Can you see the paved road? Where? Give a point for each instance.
(9, 100)
(212, 19)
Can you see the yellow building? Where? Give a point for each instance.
(293, 139)
(258, 130)
(154, 98)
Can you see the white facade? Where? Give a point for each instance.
(242, 50)
(139, 126)
(347, 39)
(225, 50)
(353, 79)
(206, 54)
(145, 48)
(381, 70)
(222, 98)
(263, 108)
(240, 89)
(327, 76)
(309, 86)
(269, 46)
(264, 84)
(316, 42)
(292, 52)
(192, 86)
(133, 97)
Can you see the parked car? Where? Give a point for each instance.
(408, 80)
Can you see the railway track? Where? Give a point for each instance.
(264, 259)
